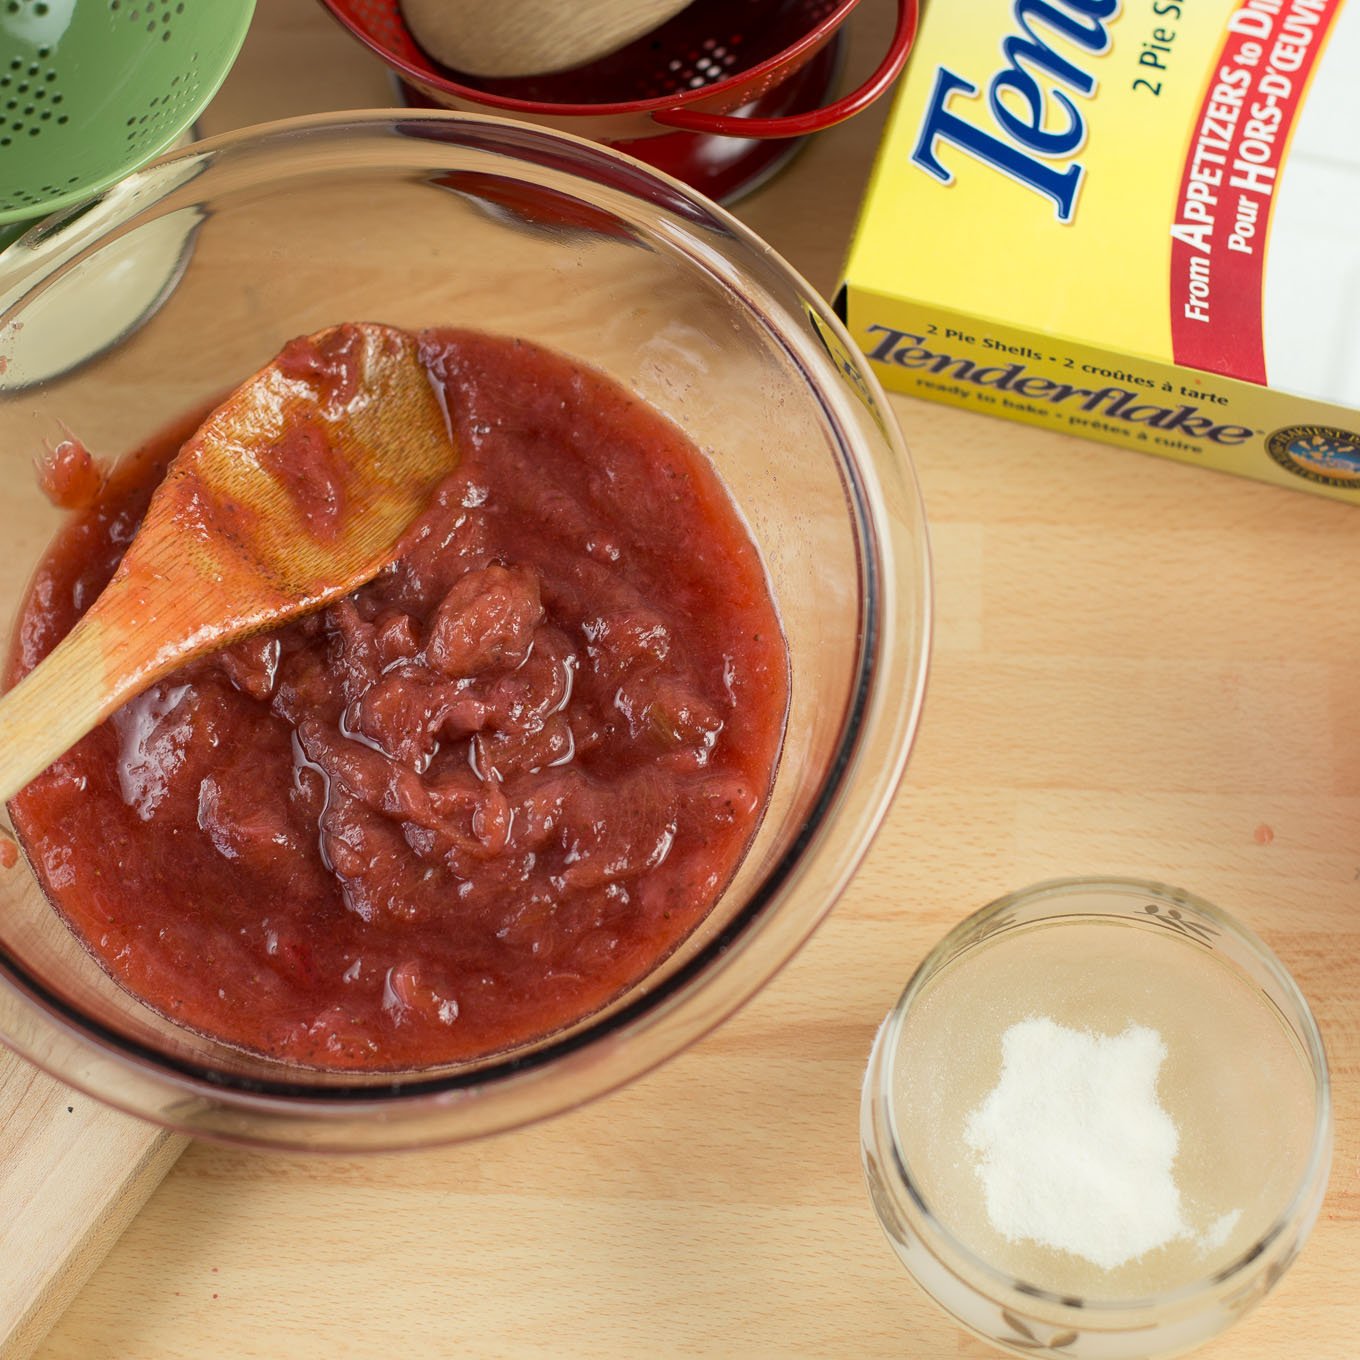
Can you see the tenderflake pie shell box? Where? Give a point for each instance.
(1133, 220)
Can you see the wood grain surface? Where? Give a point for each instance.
(72, 1176)
(1140, 668)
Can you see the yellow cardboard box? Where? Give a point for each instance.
(1134, 220)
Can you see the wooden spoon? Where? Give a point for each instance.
(293, 492)
(500, 38)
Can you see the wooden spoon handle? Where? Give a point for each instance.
(292, 493)
(148, 621)
(50, 709)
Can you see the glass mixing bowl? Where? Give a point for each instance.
(418, 219)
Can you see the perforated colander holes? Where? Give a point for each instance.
(167, 107)
(713, 62)
(29, 99)
(154, 15)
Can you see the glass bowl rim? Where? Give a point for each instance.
(942, 1242)
(869, 705)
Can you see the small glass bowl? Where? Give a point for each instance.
(1191, 939)
(421, 219)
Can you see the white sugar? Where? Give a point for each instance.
(1074, 1150)
(1218, 1232)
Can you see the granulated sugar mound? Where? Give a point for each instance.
(1074, 1150)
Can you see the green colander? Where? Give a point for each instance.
(91, 89)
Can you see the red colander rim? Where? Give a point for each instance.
(473, 94)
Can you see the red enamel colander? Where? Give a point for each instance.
(678, 97)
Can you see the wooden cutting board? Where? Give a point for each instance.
(72, 1175)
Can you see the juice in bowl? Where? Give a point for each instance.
(1098, 1121)
(458, 807)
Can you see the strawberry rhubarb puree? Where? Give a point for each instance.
(471, 802)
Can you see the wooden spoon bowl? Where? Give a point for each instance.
(499, 38)
(292, 493)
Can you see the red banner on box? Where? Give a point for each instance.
(1228, 185)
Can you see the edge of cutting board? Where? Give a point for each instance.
(73, 1175)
